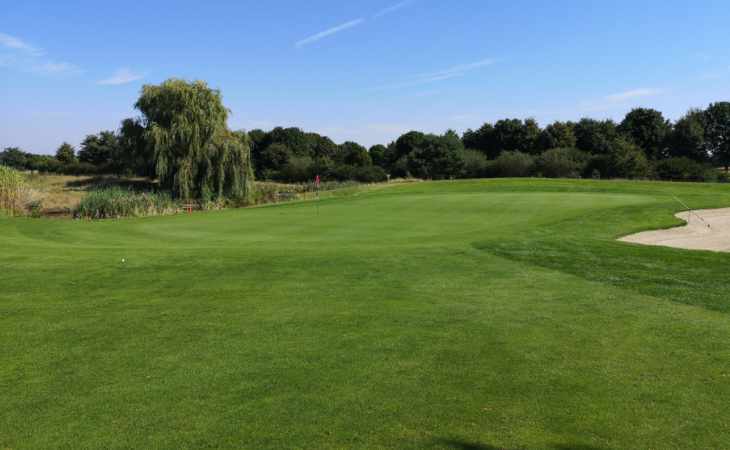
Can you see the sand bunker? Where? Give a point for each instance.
(696, 235)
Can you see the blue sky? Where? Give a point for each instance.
(364, 71)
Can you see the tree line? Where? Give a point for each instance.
(643, 145)
(181, 139)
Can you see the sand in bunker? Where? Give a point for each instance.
(696, 235)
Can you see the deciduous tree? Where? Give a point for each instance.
(66, 154)
(648, 129)
(194, 152)
(717, 132)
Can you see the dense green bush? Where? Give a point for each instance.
(512, 164)
(298, 169)
(369, 174)
(598, 167)
(269, 192)
(115, 202)
(562, 163)
(623, 160)
(81, 168)
(475, 164)
(628, 160)
(683, 169)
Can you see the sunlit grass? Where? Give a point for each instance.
(475, 314)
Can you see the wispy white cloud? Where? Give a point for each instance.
(619, 100)
(457, 71)
(441, 75)
(632, 94)
(329, 32)
(16, 43)
(393, 8)
(56, 67)
(25, 57)
(351, 24)
(121, 76)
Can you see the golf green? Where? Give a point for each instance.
(469, 315)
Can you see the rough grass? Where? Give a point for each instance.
(490, 314)
(62, 194)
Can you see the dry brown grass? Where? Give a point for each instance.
(58, 192)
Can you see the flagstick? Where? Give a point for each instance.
(691, 212)
(316, 190)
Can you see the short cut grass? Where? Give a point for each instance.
(485, 314)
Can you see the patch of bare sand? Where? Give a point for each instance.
(696, 235)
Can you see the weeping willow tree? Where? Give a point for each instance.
(195, 154)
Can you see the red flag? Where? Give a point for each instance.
(316, 181)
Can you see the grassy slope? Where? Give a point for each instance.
(437, 315)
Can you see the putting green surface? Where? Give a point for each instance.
(467, 315)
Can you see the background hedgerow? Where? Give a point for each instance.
(562, 163)
(513, 164)
(684, 169)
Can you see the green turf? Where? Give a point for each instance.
(467, 315)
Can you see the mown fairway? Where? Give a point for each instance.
(468, 315)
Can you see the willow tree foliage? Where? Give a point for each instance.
(195, 154)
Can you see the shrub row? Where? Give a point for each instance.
(268, 192)
(303, 169)
(573, 163)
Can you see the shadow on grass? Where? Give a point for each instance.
(459, 444)
(107, 181)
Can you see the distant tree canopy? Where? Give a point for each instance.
(557, 135)
(378, 155)
(505, 135)
(687, 138)
(648, 129)
(354, 154)
(194, 153)
(717, 132)
(66, 154)
(15, 158)
(100, 149)
(290, 154)
(136, 156)
(638, 147)
(595, 136)
(182, 139)
(426, 155)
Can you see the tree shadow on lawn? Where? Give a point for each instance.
(459, 444)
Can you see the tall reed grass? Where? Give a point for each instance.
(115, 202)
(14, 191)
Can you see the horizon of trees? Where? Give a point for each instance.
(643, 145)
